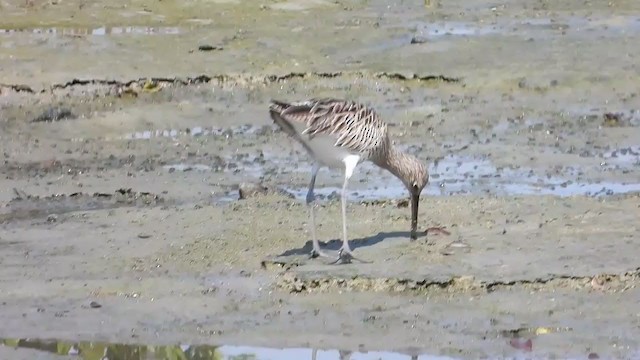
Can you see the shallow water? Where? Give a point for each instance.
(572, 25)
(628, 156)
(114, 351)
(450, 175)
(466, 175)
(119, 351)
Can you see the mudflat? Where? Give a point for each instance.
(148, 200)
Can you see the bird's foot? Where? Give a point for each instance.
(437, 230)
(345, 256)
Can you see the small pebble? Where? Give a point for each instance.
(94, 305)
(418, 39)
(209, 48)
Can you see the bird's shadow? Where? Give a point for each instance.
(335, 244)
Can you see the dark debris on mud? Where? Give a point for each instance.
(620, 119)
(55, 114)
(293, 282)
(233, 79)
(25, 207)
(249, 190)
(73, 167)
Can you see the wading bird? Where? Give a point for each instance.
(341, 134)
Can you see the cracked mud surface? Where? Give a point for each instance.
(125, 149)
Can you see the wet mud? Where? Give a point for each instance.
(146, 195)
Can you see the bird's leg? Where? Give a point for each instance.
(344, 254)
(315, 252)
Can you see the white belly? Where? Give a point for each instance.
(324, 151)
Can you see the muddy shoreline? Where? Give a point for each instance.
(147, 199)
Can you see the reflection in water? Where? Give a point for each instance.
(100, 31)
(104, 351)
(107, 351)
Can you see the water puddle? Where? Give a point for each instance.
(450, 176)
(456, 28)
(99, 31)
(624, 156)
(112, 351)
(455, 175)
(618, 25)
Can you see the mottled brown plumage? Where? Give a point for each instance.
(355, 126)
(340, 133)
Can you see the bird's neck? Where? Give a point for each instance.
(399, 163)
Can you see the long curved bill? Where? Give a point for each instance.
(415, 200)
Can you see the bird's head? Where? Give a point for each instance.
(416, 180)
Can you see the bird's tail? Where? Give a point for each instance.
(278, 107)
(275, 110)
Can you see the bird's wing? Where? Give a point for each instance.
(355, 126)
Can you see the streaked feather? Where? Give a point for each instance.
(355, 126)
